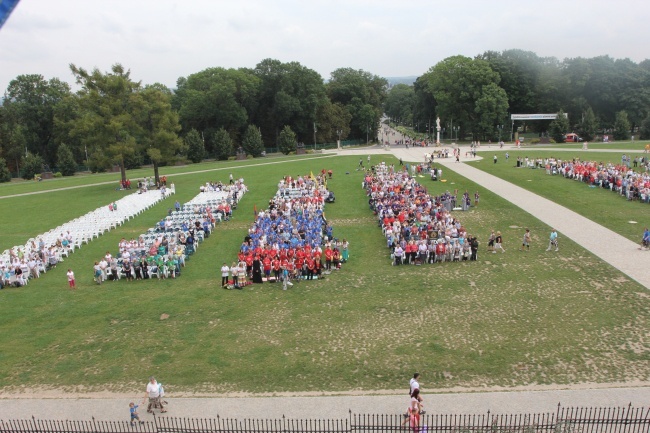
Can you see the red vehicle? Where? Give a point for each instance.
(572, 138)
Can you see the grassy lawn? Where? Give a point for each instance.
(602, 206)
(509, 319)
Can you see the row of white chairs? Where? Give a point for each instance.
(89, 226)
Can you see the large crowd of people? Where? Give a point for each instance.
(630, 179)
(290, 239)
(419, 228)
(164, 249)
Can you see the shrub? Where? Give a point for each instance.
(32, 165)
(58, 174)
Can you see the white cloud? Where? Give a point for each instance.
(164, 39)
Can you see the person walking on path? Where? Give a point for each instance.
(525, 245)
(552, 241)
(153, 393)
(414, 383)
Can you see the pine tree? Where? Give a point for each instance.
(195, 146)
(252, 141)
(287, 140)
(65, 161)
(559, 127)
(222, 144)
(621, 126)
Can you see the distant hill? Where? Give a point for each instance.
(401, 80)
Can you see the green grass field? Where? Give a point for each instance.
(509, 319)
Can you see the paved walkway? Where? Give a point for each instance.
(331, 407)
(604, 243)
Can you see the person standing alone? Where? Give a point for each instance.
(552, 241)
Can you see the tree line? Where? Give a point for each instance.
(475, 96)
(113, 120)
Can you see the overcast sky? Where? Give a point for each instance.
(161, 40)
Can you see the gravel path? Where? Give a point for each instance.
(331, 407)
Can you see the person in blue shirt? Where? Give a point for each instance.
(133, 410)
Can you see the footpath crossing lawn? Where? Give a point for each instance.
(509, 319)
(602, 206)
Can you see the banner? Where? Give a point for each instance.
(552, 116)
(6, 6)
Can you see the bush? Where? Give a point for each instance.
(58, 174)
(231, 158)
(32, 165)
(249, 157)
(534, 141)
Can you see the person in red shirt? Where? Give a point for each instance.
(266, 265)
(336, 258)
(276, 268)
(328, 258)
(249, 265)
(311, 267)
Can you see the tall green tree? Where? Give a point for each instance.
(30, 102)
(361, 93)
(195, 146)
(65, 161)
(252, 141)
(217, 98)
(290, 94)
(588, 125)
(223, 144)
(159, 127)
(559, 127)
(287, 141)
(333, 122)
(621, 126)
(110, 107)
(644, 129)
(400, 102)
(466, 90)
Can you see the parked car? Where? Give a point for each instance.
(572, 138)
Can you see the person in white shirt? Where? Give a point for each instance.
(225, 270)
(153, 393)
(415, 385)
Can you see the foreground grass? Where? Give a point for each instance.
(599, 205)
(512, 319)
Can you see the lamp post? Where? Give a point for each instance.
(456, 128)
(500, 128)
(339, 132)
(367, 130)
(315, 130)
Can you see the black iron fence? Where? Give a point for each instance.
(565, 420)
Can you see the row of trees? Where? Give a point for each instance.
(114, 120)
(478, 94)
